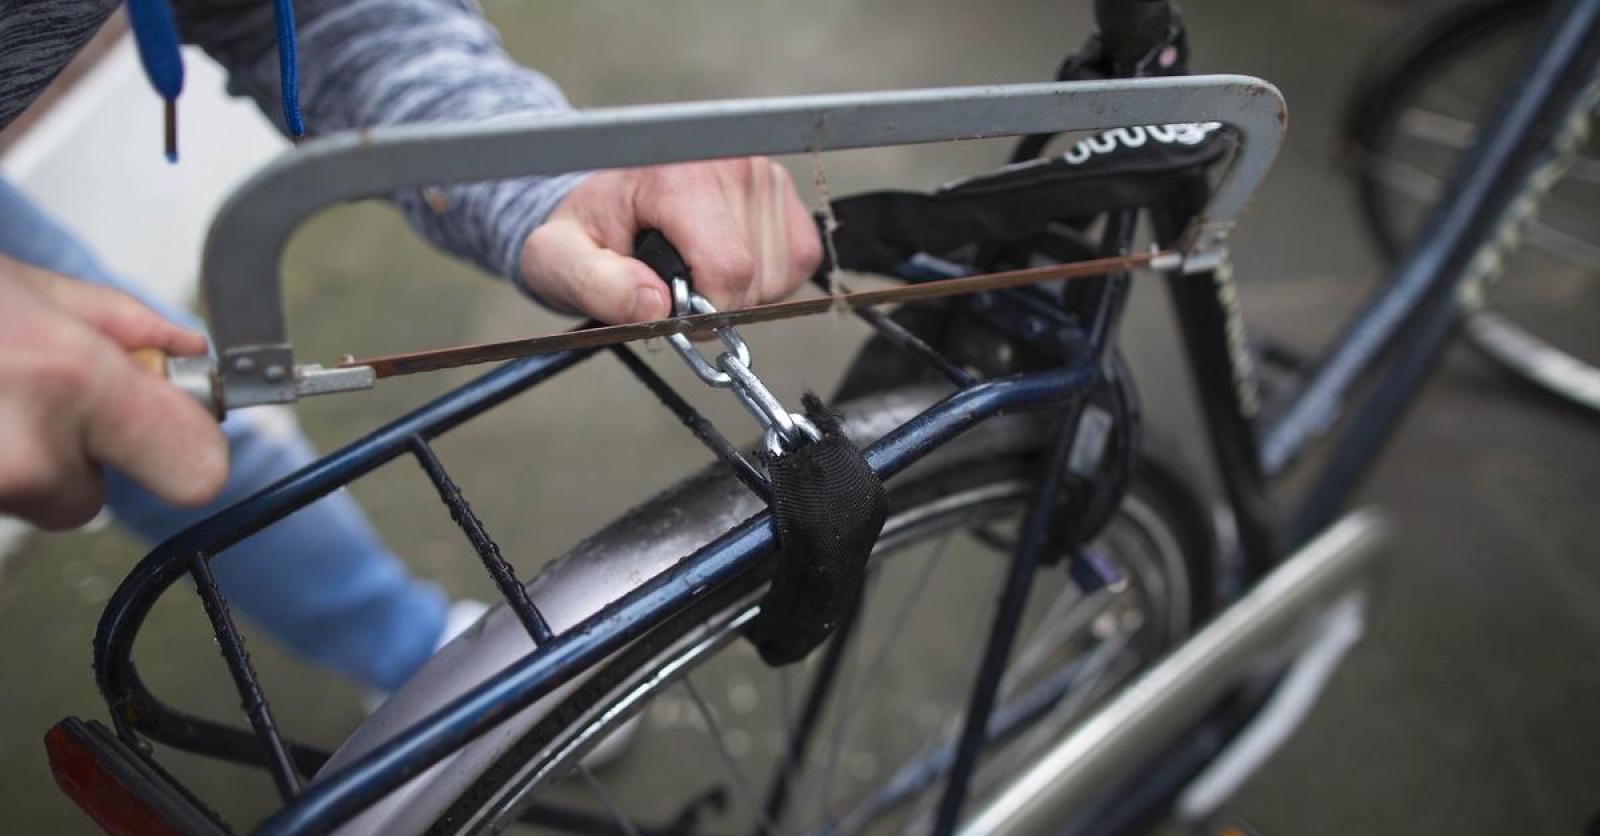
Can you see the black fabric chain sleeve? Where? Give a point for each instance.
(829, 508)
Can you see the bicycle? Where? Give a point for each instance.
(1415, 109)
(515, 702)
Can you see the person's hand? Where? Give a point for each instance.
(739, 225)
(71, 400)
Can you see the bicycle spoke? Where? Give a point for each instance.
(1409, 181)
(863, 684)
(856, 687)
(740, 786)
(1422, 187)
(1087, 683)
(948, 723)
(1088, 608)
(830, 763)
(1062, 701)
(800, 733)
(993, 539)
(1564, 245)
(785, 701)
(609, 801)
(1438, 128)
(1038, 644)
(1448, 95)
(1585, 170)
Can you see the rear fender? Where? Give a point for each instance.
(637, 546)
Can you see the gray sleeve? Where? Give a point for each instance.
(365, 63)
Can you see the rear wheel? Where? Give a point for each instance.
(858, 738)
(1416, 110)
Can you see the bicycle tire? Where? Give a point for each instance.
(1380, 99)
(1162, 500)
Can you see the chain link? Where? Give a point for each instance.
(784, 430)
(685, 302)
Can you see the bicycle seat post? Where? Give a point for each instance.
(1131, 29)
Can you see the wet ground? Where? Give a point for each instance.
(1471, 706)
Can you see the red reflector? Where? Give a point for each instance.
(101, 794)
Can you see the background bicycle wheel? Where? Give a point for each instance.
(1470, 709)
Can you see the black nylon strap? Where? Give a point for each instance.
(829, 508)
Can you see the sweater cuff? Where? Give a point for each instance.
(550, 192)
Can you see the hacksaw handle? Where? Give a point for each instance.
(653, 248)
(152, 360)
(195, 376)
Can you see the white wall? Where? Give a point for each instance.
(95, 161)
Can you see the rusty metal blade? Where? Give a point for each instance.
(394, 365)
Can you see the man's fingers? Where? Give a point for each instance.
(805, 243)
(739, 225)
(52, 491)
(122, 318)
(748, 240)
(116, 314)
(705, 210)
(767, 233)
(156, 435)
(719, 258)
(568, 268)
(70, 504)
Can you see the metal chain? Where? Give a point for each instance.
(784, 430)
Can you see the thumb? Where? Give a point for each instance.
(569, 269)
(153, 433)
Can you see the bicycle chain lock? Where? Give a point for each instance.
(827, 504)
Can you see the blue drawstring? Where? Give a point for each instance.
(156, 34)
(288, 67)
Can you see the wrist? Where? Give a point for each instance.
(553, 192)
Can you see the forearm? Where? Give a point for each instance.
(367, 63)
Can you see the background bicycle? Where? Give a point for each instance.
(1263, 251)
(1411, 113)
